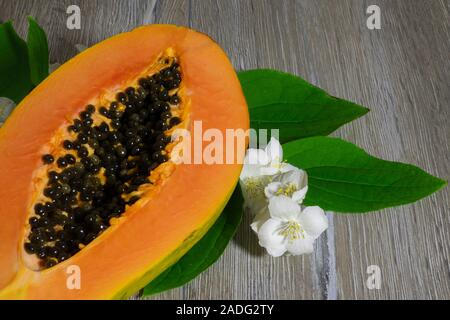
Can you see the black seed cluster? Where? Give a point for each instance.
(103, 165)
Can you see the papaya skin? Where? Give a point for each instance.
(151, 235)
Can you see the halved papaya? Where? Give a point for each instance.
(89, 186)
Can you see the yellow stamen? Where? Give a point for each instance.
(254, 186)
(292, 231)
(287, 191)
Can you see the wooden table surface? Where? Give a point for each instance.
(400, 72)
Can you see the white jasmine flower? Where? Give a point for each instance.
(260, 167)
(293, 184)
(252, 181)
(289, 229)
(274, 156)
(260, 218)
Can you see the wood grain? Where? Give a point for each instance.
(401, 72)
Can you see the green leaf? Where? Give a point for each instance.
(15, 80)
(205, 252)
(37, 52)
(298, 109)
(344, 178)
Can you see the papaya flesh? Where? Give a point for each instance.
(92, 204)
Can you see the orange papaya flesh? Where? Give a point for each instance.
(114, 237)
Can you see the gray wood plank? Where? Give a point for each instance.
(407, 63)
(401, 72)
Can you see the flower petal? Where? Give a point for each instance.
(269, 170)
(269, 234)
(253, 192)
(274, 151)
(283, 208)
(250, 170)
(314, 221)
(291, 177)
(271, 189)
(286, 167)
(261, 217)
(276, 251)
(256, 156)
(299, 196)
(295, 176)
(300, 246)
